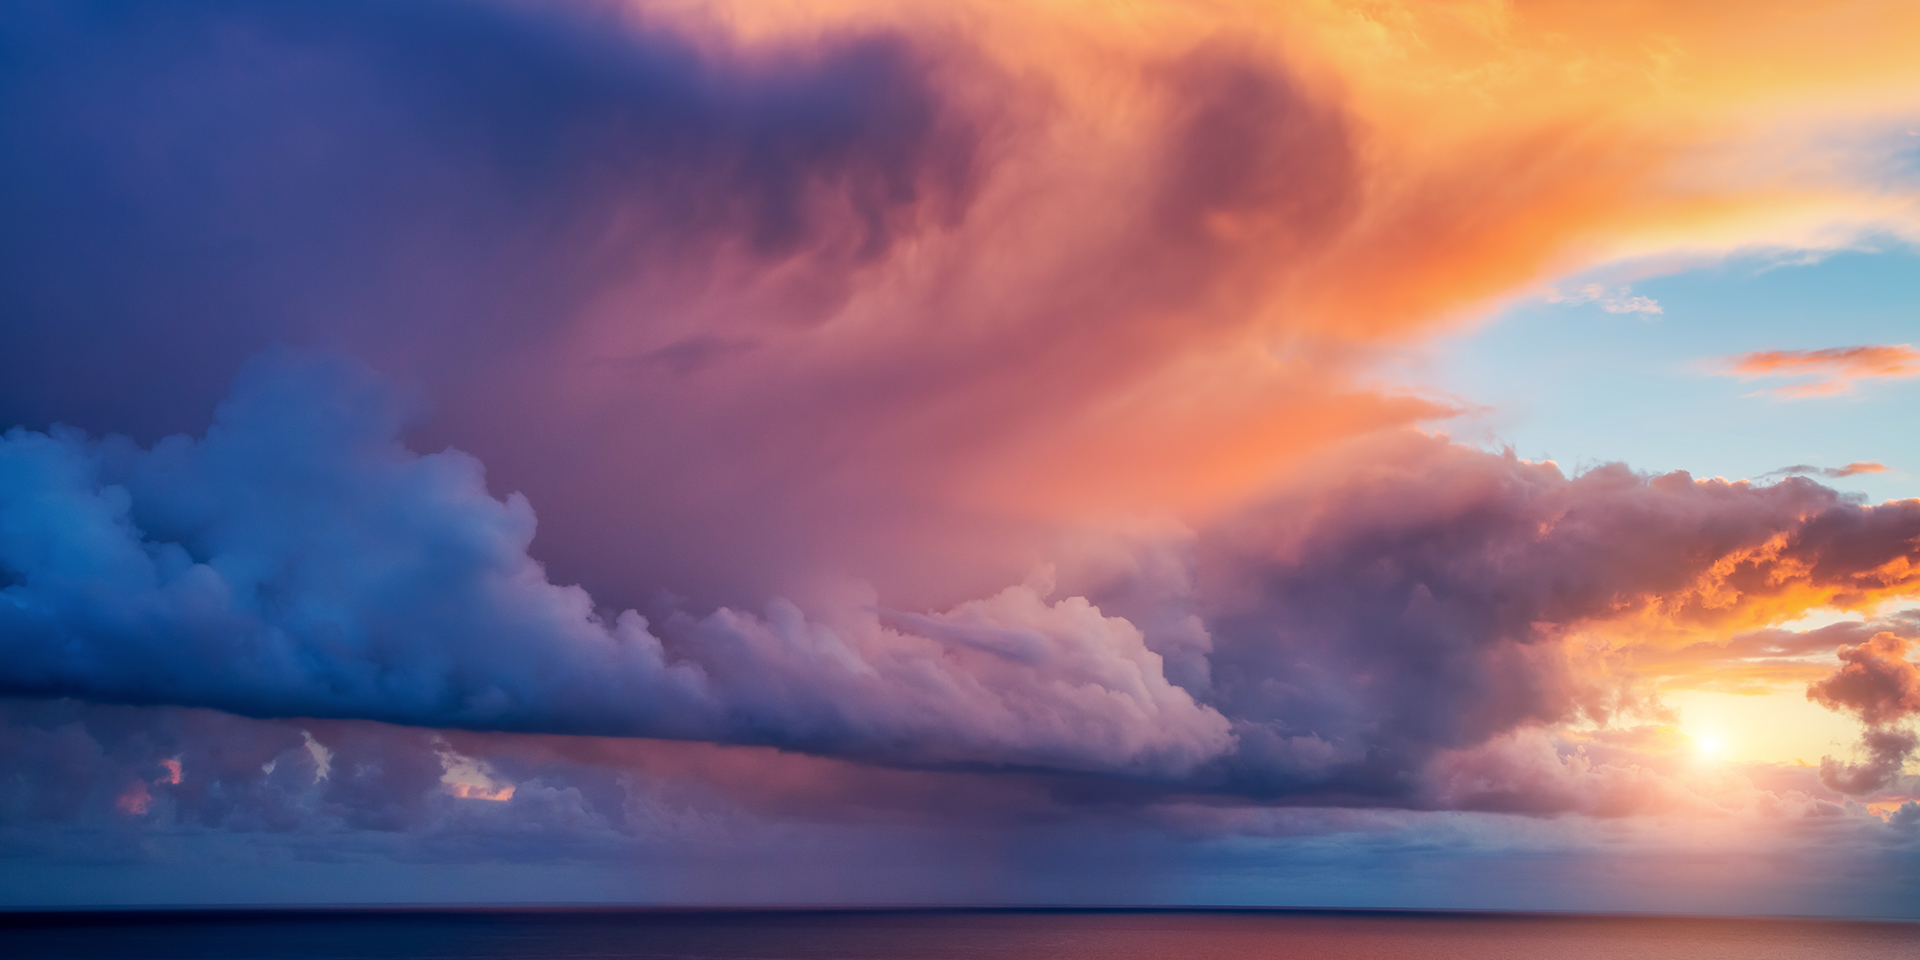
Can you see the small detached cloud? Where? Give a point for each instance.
(1823, 373)
(1618, 300)
(1850, 470)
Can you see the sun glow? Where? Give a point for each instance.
(1709, 744)
(1782, 726)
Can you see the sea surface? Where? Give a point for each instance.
(936, 935)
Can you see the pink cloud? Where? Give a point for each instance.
(135, 801)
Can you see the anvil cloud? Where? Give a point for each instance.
(972, 414)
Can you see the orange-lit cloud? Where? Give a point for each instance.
(1826, 372)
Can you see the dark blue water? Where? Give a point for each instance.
(937, 935)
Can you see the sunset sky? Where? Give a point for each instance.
(1335, 453)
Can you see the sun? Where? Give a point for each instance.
(1708, 744)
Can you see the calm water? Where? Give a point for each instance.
(979, 935)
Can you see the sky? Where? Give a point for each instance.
(1339, 453)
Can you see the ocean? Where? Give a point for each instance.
(934, 935)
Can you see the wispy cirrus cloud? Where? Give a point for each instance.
(1824, 373)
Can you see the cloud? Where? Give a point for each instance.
(697, 817)
(1005, 679)
(1876, 681)
(1887, 752)
(905, 283)
(1879, 685)
(299, 561)
(1614, 301)
(136, 801)
(1532, 772)
(393, 177)
(315, 564)
(1419, 598)
(471, 779)
(1852, 469)
(1763, 660)
(1425, 597)
(1830, 372)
